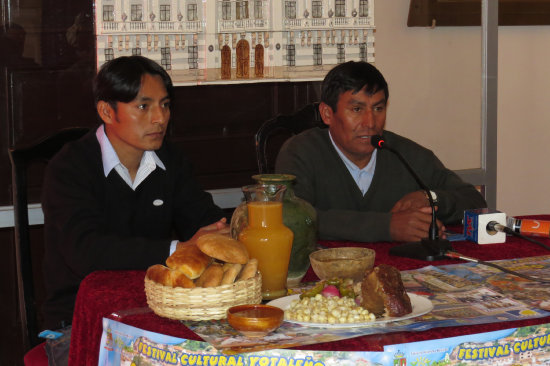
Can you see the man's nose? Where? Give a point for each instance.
(159, 115)
(367, 119)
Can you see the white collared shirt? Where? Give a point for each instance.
(149, 161)
(362, 177)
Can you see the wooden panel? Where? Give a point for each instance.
(429, 13)
(215, 125)
(41, 102)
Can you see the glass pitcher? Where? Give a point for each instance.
(267, 238)
(298, 215)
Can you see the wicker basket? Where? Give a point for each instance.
(201, 303)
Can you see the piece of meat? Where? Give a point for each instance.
(383, 292)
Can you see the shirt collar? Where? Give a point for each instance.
(351, 165)
(109, 156)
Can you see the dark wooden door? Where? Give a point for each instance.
(226, 62)
(259, 61)
(243, 59)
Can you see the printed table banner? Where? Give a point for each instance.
(122, 344)
(516, 346)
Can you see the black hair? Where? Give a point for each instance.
(119, 80)
(352, 75)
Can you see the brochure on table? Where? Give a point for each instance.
(122, 344)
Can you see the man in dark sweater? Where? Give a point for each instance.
(360, 193)
(121, 197)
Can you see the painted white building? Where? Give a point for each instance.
(224, 41)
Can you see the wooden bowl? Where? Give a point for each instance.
(346, 262)
(255, 320)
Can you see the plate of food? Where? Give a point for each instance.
(344, 303)
(420, 306)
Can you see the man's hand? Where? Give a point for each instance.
(219, 227)
(413, 224)
(416, 199)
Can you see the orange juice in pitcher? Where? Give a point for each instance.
(266, 237)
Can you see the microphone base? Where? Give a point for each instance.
(425, 250)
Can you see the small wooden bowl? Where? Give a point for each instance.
(345, 262)
(255, 320)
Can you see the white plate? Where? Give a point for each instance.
(420, 306)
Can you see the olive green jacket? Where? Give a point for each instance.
(343, 212)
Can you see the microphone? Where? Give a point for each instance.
(432, 248)
(377, 141)
(529, 226)
(484, 226)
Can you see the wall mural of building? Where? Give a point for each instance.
(227, 41)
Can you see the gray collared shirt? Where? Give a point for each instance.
(363, 177)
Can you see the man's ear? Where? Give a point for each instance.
(106, 112)
(326, 113)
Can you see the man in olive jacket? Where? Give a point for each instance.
(361, 193)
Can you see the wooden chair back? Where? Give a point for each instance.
(21, 158)
(275, 131)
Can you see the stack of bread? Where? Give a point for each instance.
(213, 261)
(200, 281)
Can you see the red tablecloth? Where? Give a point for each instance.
(105, 292)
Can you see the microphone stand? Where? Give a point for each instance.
(428, 249)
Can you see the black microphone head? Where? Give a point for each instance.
(377, 141)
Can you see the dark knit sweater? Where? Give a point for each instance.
(93, 222)
(343, 212)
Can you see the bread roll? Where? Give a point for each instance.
(168, 277)
(249, 270)
(181, 280)
(223, 248)
(159, 274)
(189, 260)
(230, 272)
(211, 277)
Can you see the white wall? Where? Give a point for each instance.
(434, 77)
(434, 81)
(524, 120)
